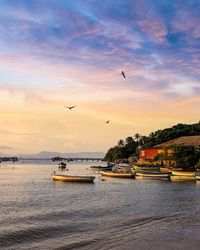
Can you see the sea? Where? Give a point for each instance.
(38, 213)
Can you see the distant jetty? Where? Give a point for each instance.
(57, 158)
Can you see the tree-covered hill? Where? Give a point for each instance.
(128, 147)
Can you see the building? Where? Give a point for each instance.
(149, 153)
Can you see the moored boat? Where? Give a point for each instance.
(197, 176)
(146, 168)
(180, 175)
(101, 167)
(122, 168)
(183, 173)
(165, 170)
(71, 178)
(153, 175)
(117, 175)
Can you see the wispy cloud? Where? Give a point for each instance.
(58, 52)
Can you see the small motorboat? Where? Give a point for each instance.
(70, 178)
(62, 165)
(117, 175)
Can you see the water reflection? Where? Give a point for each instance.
(111, 214)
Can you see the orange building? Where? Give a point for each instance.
(150, 153)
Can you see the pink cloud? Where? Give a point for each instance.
(154, 28)
(185, 20)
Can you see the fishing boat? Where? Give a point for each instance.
(117, 175)
(180, 175)
(70, 178)
(153, 175)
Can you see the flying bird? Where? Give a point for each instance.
(108, 121)
(123, 74)
(70, 108)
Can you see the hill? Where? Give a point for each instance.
(128, 147)
(193, 140)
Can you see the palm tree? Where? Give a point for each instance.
(120, 143)
(129, 140)
(137, 137)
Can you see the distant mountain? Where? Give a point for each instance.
(47, 155)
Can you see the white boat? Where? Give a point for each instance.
(117, 175)
(70, 178)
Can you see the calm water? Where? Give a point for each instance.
(37, 213)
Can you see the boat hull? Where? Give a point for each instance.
(101, 168)
(153, 175)
(165, 170)
(117, 175)
(177, 178)
(198, 177)
(178, 175)
(146, 169)
(68, 178)
(183, 173)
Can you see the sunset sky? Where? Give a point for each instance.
(71, 52)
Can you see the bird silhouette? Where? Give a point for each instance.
(108, 121)
(123, 74)
(70, 108)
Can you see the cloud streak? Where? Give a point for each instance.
(58, 52)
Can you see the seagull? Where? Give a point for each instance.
(108, 121)
(70, 108)
(123, 74)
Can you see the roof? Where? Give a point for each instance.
(193, 140)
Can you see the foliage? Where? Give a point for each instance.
(124, 149)
(164, 135)
(185, 156)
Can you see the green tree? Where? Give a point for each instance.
(185, 156)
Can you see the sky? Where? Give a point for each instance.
(72, 52)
